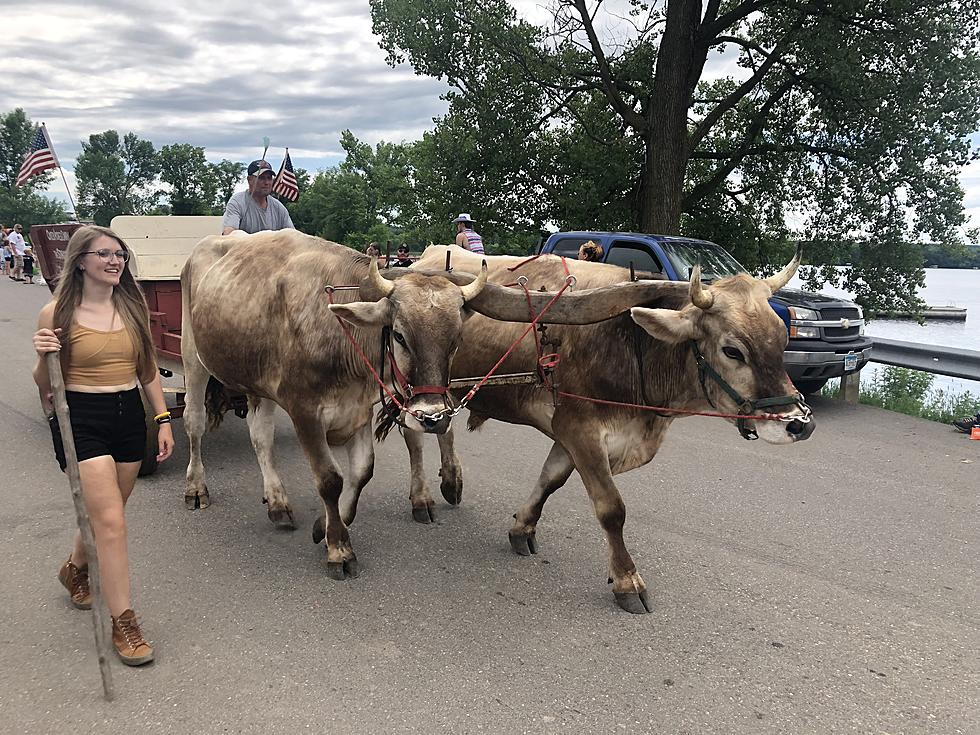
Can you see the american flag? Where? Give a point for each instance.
(39, 159)
(285, 184)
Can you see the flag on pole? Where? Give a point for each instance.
(285, 184)
(39, 158)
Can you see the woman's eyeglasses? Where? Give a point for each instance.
(105, 255)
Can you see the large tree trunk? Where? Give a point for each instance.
(666, 140)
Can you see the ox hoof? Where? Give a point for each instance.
(633, 602)
(319, 530)
(342, 569)
(452, 490)
(283, 518)
(523, 543)
(199, 501)
(423, 514)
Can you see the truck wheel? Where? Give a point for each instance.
(149, 465)
(808, 387)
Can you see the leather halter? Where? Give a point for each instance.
(404, 387)
(745, 406)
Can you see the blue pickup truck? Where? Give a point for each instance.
(826, 335)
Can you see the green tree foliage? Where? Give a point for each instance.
(333, 205)
(16, 134)
(847, 118)
(115, 176)
(23, 204)
(387, 171)
(192, 180)
(226, 176)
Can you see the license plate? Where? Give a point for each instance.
(850, 362)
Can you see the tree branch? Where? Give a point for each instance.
(755, 129)
(630, 115)
(709, 121)
(733, 16)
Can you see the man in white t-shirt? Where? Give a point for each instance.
(15, 241)
(254, 210)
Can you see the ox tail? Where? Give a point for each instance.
(476, 420)
(217, 400)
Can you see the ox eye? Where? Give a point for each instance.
(399, 338)
(734, 353)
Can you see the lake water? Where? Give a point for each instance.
(944, 287)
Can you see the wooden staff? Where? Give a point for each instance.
(81, 515)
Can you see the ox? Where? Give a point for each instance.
(702, 348)
(255, 316)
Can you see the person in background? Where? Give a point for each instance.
(29, 264)
(15, 241)
(466, 236)
(373, 251)
(98, 320)
(254, 210)
(404, 259)
(591, 251)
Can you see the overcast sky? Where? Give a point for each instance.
(222, 74)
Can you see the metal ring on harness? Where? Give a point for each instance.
(549, 361)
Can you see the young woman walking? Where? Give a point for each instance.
(99, 321)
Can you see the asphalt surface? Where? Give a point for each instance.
(826, 587)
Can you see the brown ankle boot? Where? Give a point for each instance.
(128, 640)
(75, 580)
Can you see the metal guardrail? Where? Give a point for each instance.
(950, 361)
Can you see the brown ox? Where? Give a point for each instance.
(256, 317)
(643, 356)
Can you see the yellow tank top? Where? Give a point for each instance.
(101, 358)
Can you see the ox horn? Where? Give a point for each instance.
(375, 287)
(472, 290)
(700, 296)
(779, 280)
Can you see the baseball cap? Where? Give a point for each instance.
(403, 248)
(464, 217)
(257, 168)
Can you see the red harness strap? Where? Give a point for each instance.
(682, 411)
(472, 391)
(409, 389)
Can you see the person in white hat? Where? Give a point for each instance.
(466, 236)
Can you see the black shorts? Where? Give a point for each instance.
(112, 424)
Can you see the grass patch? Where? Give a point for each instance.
(911, 392)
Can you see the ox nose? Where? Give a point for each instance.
(800, 430)
(435, 425)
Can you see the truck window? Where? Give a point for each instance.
(714, 260)
(569, 246)
(643, 260)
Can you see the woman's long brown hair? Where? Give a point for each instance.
(127, 298)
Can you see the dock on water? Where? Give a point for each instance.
(946, 313)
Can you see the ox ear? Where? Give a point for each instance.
(666, 325)
(364, 313)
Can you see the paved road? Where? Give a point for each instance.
(829, 587)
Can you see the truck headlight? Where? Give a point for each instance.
(795, 312)
(798, 325)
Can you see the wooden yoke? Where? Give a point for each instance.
(81, 516)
